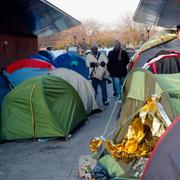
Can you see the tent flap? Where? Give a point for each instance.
(137, 86)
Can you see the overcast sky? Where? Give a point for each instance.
(105, 11)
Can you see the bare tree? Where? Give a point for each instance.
(130, 33)
(133, 33)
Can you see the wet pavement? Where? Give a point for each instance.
(53, 159)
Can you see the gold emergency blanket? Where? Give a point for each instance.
(95, 144)
(142, 134)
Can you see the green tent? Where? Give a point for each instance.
(44, 106)
(139, 86)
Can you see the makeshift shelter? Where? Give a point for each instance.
(4, 87)
(164, 162)
(56, 53)
(47, 54)
(37, 56)
(23, 74)
(22, 70)
(163, 40)
(139, 86)
(28, 63)
(44, 106)
(81, 85)
(72, 61)
(165, 62)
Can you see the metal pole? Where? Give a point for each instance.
(74, 40)
(148, 31)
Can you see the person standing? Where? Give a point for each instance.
(117, 67)
(97, 64)
(178, 31)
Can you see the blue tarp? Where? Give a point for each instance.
(72, 61)
(23, 74)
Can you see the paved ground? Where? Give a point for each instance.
(55, 159)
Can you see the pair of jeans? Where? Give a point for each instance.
(117, 85)
(102, 83)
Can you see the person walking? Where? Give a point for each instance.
(97, 64)
(117, 67)
(178, 31)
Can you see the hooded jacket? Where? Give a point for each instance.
(117, 66)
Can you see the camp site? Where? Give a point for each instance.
(89, 90)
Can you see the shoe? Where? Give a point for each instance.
(114, 94)
(106, 103)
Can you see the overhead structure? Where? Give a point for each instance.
(23, 21)
(158, 12)
(37, 17)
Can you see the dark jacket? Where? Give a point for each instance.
(116, 67)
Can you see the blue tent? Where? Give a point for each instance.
(48, 54)
(23, 74)
(37, 56)
(72, 61)
(4, 87)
